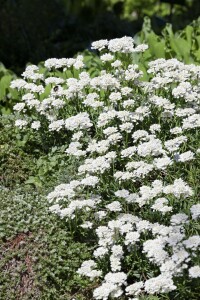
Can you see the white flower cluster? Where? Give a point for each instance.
(135, 149)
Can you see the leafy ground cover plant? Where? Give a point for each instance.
(136, 143)
(38, 257)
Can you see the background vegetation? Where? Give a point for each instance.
(32, 31)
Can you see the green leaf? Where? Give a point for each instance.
(5, 111)
(157, 48)
(34, 180)
(197, 54)
(4, 85)
(197, 38)
(181, 48)
(189, 31)
(46, 92)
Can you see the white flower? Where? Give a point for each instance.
(159, 284)
(176, 130)
(55, 208)
(34, 88)
(154, 250)
(87, 225)
(191, 122)
(174, 144)
(161, 205)
(36, 125)
(195, 211)
(106, 57)
(114, 206)
(57, 103)
(76, 136)
(194, 272)
(135, 288)
(162, 163)
(78, 64)
(106, 289)
(21, 123)
(128, 103)
(90, 181)
(18, 84)
(153, 148)
(143, 226)
(140, 135)
(92, 100)
(141, 48)
(116, 64)
(99, 45)
(129, 152)
(124, 45)
(58, 63)
(100, 252)
(19, 107)
(75, 149)
(132, 237)
(56, 125)
(155, 128)
(118, 278)
(193, 242)
(115, 96)
(183, 157)
(115, 258)
(178, 219)
(88, 269)
(100, 214)
(179, 188)
(122, 193)
(127, 127)
(54, 80)
(79, 121)
(125, 91)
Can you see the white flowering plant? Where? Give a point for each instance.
(136, 143)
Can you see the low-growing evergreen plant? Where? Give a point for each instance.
(134, 139)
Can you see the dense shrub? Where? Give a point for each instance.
(135, 141)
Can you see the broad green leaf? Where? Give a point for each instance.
(4, 85)
(157, 48)
(14, 94)
(189, 31)
(197, 54)
(145, 76)
(5, 110)
(46, 92)
(181, 48)
(168, 32)
(34, 180)
(197, 38)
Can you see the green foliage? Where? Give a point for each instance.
(60, 28)
(39, 256)
(7, 95)
(183, 44)
(26, 158)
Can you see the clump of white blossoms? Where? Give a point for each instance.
(135, 140)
